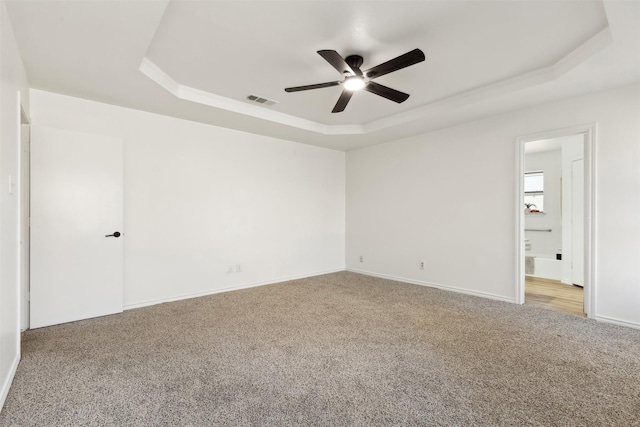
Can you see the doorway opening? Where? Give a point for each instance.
(554, 219)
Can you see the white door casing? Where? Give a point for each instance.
(76, 200)
(589, 214)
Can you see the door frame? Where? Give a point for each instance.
(590, 132)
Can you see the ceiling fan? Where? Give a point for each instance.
(354, 79)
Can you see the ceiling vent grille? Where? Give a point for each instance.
(260, 100)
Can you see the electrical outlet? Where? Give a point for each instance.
(421, 265)
(361, 258)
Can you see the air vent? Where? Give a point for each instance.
(261, 100)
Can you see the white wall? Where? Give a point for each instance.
(448, 198)
(13, 86)
(200, 198)
(550, 162)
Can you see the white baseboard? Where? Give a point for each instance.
(435, 285)
(6, 385)
(618, 322)
(228, 289)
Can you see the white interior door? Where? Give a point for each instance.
(76, 200)
(577, 223)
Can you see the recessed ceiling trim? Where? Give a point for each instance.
(543, 75)
(595, 44)
(523, 81)
(187, 93)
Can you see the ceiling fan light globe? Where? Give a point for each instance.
(354, 83)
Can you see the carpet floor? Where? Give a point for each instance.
(337, 349)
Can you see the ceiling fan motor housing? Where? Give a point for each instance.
(354, 61)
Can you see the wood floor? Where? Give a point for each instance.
(554, 295)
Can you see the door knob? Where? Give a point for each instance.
(116, 234)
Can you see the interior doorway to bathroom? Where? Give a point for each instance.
(555, 217)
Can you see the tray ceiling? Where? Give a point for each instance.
(199, 60)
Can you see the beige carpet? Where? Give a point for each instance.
(338, 349)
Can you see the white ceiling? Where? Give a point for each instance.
(199, 60)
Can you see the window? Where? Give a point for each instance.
(534, 191)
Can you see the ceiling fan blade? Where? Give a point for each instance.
(386, 92)
(395, 64)
(337, 61)
(308, 87)
(342, 101)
